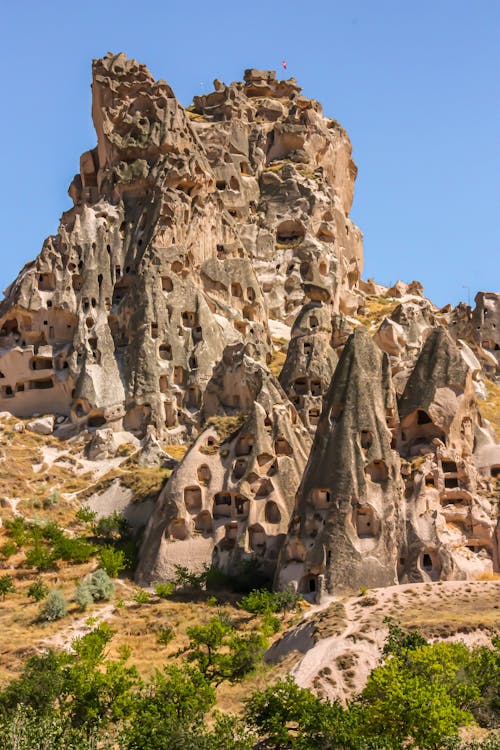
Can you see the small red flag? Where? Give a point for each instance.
(283, 62)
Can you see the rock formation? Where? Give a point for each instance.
(203, 243)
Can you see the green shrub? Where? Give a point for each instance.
(38, 590)
(100, 585)
(164, 590)
(6, 586)
(83, 596)
(54, 607)
(74, 550)
(142, 597)
(8, 549)
(270, 624)
(165, 635)
(261, 601)
(52, 500)
(114, 526)
(85, 515)
(112, 560)
(186, 579)
(40, 556)
(18, 530)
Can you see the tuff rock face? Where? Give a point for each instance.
(346, 528)
(203, 243)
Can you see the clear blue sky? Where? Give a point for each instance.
(415, 82)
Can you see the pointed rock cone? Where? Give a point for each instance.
(346, 527)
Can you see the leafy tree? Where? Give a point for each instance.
(18, 530)
(40, 556)
(399, 641)
(285, 715)
(422, 695)
(74, 550)
(6, 586)
(54, 607)
(38, 590)
(221, 653)
(170, 711)
(112, 560)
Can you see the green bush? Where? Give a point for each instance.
(186, 579)
(8, 549)
(261, 601)
(142, 597)
(83, 596)
(6, 586)
(100, 585)
(164, 590)
(112, 527)
(18, 530)
(40, 556)
(112, 560)
(75, 550)
(165, 635)
(54, 607)
(85, 515)
(38, 590)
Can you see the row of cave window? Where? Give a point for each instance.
(180, 529)
(7, 391)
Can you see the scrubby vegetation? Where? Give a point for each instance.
(418, 697)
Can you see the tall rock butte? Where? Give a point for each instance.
(205, 245)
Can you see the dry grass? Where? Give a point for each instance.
(277, 362)
(490, 407)
(376, 310)
(226, 426)
(176, 451)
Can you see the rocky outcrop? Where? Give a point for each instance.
(345, 529)
(232, 495)
(204, 243)
(451, 514)
(190, 229)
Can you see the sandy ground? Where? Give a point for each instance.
(339, 642)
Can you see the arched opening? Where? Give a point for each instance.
(192, 499)
(377, 472)
(308, 584)
(290, 232)
(272, 512)
(241, 505)
(178, 529)
(367, 524)
(314, 415)
(240, 467)
(366, 439)
(244, 445)
(257, 538)
(204, 523)
(222, 504)
(96, 420)
(316, 387)
(282, 447)
(300, 386)
(204, 474)
(165, 352)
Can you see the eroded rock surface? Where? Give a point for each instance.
(204, 292)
